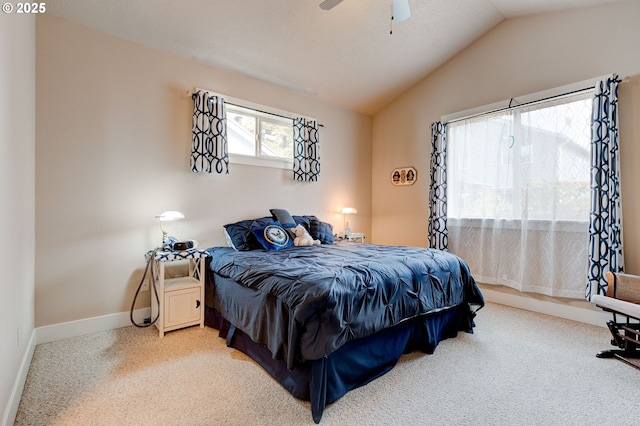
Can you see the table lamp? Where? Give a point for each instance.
(345, 211)
(168, 216)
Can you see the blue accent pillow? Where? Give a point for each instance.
(283, 216)
(240, 234)
(273, 237)
(319, 230)
(302, 220)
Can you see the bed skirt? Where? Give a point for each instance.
(355, 364)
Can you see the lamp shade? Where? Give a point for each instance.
(170, 215)
(165, 217)
(345, 211)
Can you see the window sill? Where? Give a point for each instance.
(249, 160)
(531, 225)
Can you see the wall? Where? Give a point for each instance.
(17, 195)
(112, 152)
(518, 57)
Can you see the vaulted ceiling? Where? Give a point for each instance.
(346, 56)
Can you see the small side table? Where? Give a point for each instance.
(354, 236)
(180, 299)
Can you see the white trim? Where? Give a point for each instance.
(523, 99)
(65, 330)
(250, 160)
(10, 412)
(587, 314)
(529, 225)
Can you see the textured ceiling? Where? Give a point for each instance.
(345, 56)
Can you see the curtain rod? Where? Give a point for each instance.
(264, 112)
(510, 106)
(190, 94)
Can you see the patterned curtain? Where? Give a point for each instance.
(438, 238)
(306, 150)
(605, 229)
(209, 134)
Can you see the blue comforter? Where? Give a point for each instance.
(304, 303)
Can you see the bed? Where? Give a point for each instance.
(325, 319)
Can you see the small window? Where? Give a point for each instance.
(256, 134)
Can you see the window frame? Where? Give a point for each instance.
(534, 97)
(253, 160)
(542, 96)
(260, 114)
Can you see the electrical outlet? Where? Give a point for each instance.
(145, 285)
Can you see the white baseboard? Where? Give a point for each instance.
(581, 311)
(16, 393)
(65, 330)
(51, 333)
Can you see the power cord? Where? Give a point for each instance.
(151, 256)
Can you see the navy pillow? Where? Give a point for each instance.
(273, 237)
(320, 230)
(302, 220)
(240, 234)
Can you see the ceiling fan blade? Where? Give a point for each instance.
(400, 10)
(329, 4)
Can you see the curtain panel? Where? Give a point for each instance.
(306, 150)
(438, 238)
(518, 195)
(209, 151)
(605, 230)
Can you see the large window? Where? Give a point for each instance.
(530, 162)
(253, 133)
(518, 194)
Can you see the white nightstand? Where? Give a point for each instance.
(354, 236)
(180, 299)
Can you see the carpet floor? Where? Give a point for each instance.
(518, 368)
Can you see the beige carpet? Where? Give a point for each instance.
(518, 368)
